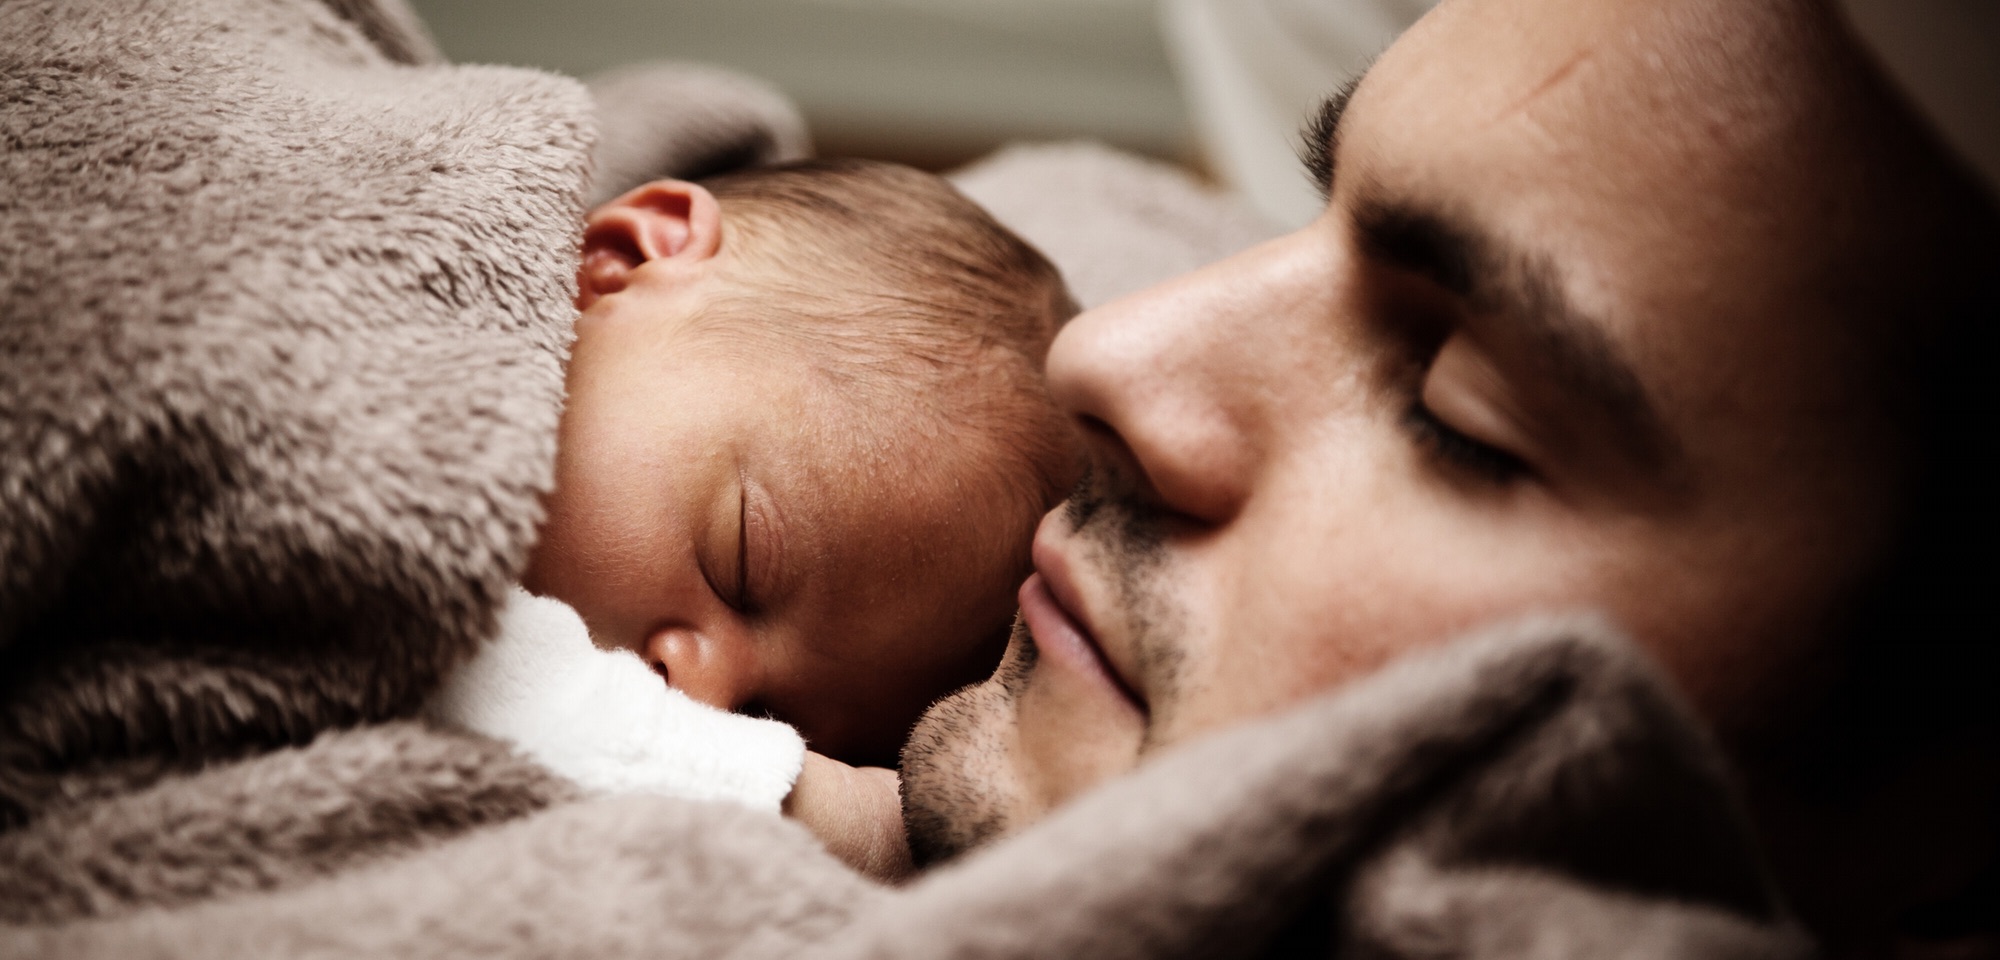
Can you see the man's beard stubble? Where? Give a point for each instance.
(956, 780)
(1127, 540)
(959, 781)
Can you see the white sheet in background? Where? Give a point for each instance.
(1252, 69)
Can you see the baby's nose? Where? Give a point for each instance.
(717, 670)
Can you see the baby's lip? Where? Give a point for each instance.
(1050, 604)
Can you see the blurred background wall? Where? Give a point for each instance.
(1219, 86)
(928, 82)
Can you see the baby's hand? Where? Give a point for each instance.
(856, 811)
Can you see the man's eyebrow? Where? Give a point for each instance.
(1523, 291)
(1320, 137)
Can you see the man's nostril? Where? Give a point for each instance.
(1110, 452)
(1115, 477)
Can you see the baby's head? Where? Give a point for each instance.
(806, 443)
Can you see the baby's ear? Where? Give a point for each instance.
(663, 220)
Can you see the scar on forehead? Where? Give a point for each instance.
(1550, 82)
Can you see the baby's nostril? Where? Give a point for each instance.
(661, 669)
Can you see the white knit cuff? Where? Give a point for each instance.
(603, 719)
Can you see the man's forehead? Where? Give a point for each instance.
(1730, 69)
(1684, 129)
(1500, 56)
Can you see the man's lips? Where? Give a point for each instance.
(1060, 636)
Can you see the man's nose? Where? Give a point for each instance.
(718, 666)
(1171, 378)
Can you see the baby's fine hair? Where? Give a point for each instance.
(901, 289)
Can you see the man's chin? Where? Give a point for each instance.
(959, 781)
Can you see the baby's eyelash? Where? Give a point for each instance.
(743, 602)
(1489, 463)
(727, 596)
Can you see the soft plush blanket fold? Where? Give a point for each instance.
(688, 121)
(1531, 793)
(284, 323)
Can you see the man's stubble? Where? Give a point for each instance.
(960, 776)
(957, 780)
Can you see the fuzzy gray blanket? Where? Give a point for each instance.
(284, 301)
(1529, 793)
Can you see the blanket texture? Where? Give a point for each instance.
(285, 319)
(1530, 793)
(687, 121)
(286, 301)
(1114, 223)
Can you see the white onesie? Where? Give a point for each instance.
(605, 720)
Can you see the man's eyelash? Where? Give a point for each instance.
(1489, 463)
(1318, 139)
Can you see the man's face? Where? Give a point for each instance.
(1562, 339)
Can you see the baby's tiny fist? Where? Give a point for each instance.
(856, 811)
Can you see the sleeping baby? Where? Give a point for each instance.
(804, 452)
